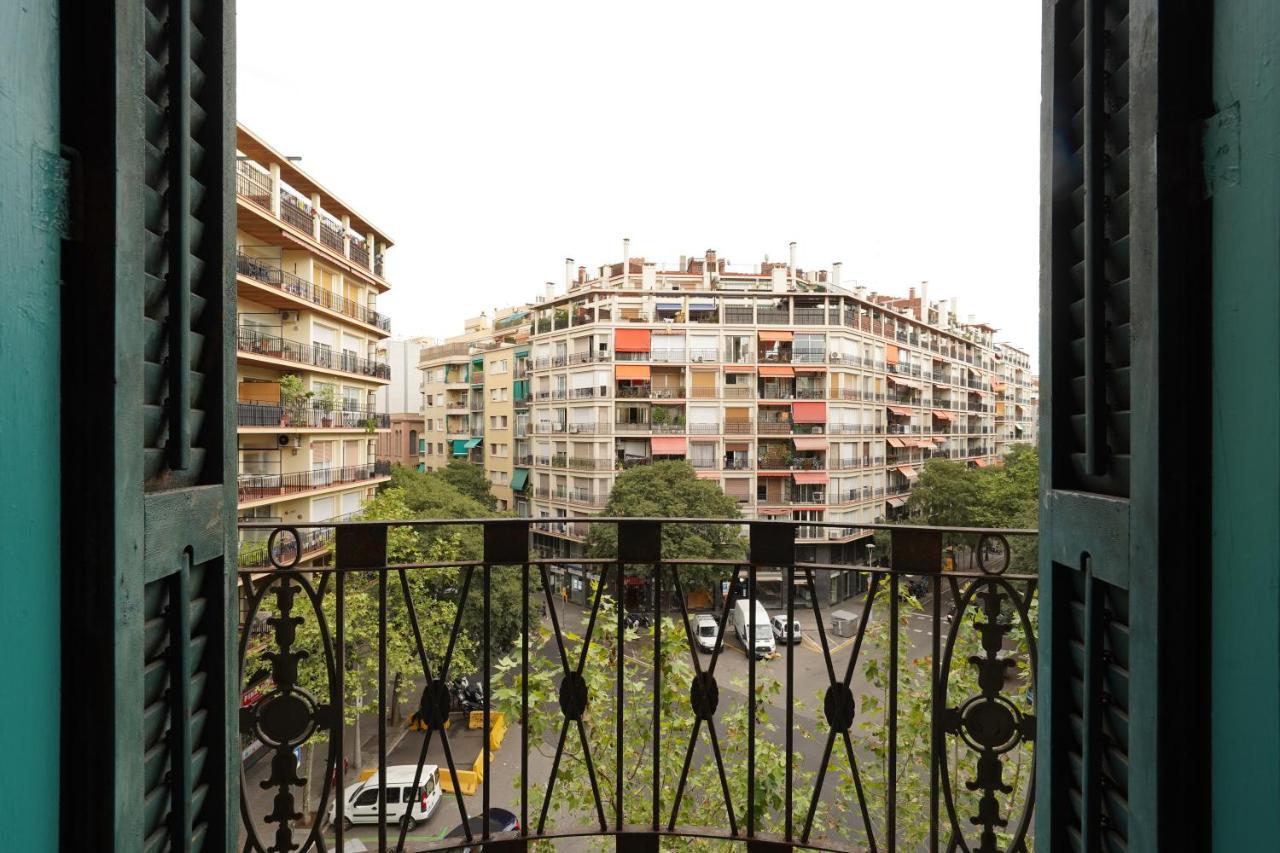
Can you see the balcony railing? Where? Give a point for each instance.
(252, 341)
(923, 737)
(266, 272)
(283, 417)
(253, 487)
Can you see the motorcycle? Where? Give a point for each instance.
(467, 695)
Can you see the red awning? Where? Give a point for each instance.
(900, 410)
(773, 472)
(669, 445)
(737, 445)
(943, 416)
(807, 442)
(908, 472)
(635, 580)
(896, 442)
(772, 337)
(809, 413)
(631, 340)
(776, 370)
(810, 478)
(981, 463)
(773, 510)
(896, 502)
(898, 380)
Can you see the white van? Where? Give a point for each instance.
(706, 631)
(362, 798)
(762, 645)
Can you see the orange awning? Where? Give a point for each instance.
(900, 410)
(631, 340)
(773, 510)
(809, 413)
(942, 416)
(808, 442)
(773, 337)
(776, 370)
(708, 475)
(737, 445)
(773, 472)
(908, 472)
(631, 371)
(997, 386)
(810, 478)
(896, 442)
(739, 368)
(669, 445)
(981, 463)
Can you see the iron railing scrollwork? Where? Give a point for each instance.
(962, 783)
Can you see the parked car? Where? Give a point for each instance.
(362, 798)
(499, 820)
(706, 631)
(780, 632)
(761, 645)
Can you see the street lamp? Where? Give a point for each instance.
(871, 553)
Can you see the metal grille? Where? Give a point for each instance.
(1091, 248)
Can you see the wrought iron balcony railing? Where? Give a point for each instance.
(252, 341)
(922, 736)
(268, 272)
(284, 417)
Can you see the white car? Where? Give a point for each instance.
(779, 626)
(361, 799)
(706, 632)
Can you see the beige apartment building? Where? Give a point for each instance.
(798, 396)
(474, 395)
(1017, 392)
(309, 272)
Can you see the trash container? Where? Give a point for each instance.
(843, 623)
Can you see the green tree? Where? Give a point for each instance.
(673, 490)
(469, 480)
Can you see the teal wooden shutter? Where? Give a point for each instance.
(1122, 468)
(153, 348)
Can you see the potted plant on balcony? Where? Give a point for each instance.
(659, 417)
(370, 424)
(326, 400)
(293, 400)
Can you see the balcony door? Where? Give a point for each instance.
(1123, 686)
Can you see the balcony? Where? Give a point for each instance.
(970, 700)
(252, 488)
(275, 417)
(253, 342)
(266, 272)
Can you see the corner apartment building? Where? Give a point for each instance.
(1017, 392)
(310, 355)
(475, 400)
(402, 402)
(800, 398)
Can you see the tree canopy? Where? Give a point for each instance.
(470, 481)
(673, 490)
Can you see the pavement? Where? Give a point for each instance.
(811, 681)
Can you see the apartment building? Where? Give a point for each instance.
(1017, 392)
(475, 406)
(310, 349)
(402, 401)
(799, 397)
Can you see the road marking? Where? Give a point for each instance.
(817, 648)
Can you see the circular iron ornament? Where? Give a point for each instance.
(704, 695)
(839, 707)
(434, 707)
(288, 715)
(990, 723)
(1005, 552)
(286, 719)
(297, 547)
(573, 696)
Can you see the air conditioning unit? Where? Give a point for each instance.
(288, 316)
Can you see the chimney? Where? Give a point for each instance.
(792, 265)
(626, 262)
(684, 263)
(911, 293)
(551, 290)
(707, 261)
(568, 273)
(955, 311)
(582, 275)
(924, 301)
(836, 268)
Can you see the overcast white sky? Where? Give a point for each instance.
(492, 140)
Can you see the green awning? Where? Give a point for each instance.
(519, 479)
(472, 442)
(522, 353)
(460, 446)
